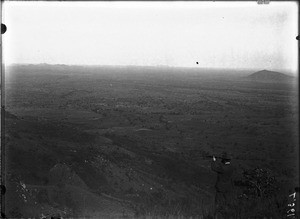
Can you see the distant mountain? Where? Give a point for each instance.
(270, 76)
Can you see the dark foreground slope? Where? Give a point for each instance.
(46, 177)
(111, 142)
(60, 168)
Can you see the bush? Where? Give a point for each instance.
(259, 183)
(259, 195)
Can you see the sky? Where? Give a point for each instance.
(214, 34)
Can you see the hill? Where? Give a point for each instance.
(270, 76)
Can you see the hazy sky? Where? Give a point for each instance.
(216, 34)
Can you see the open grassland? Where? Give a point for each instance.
(136, 139)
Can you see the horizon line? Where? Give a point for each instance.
(167, 66)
